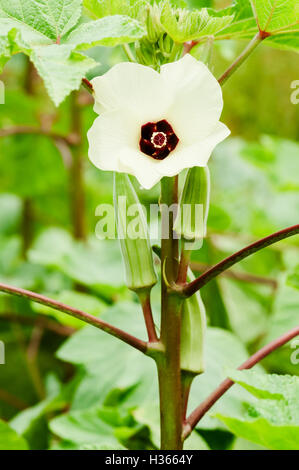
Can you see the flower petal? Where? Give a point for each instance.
(197, 104)
(114, 146)
(197, 154)
(109, 134)
(133, 87)
(143, 167)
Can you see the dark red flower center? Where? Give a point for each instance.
(158, 139)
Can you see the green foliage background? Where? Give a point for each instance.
(68, 386)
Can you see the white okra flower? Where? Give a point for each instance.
(154, 124)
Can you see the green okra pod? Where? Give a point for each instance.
(193, 332)
(132, 232)
(191, 221)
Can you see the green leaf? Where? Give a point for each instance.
(32, 27)
(274, 387)
(273, 195)
(284, 317)
(243, 25)
(60, 15)
(5, 51)
(10, 210)
(17, 152)
(111, 364)
(61, 68)
(272, 15)
(240, 9)
(9, 439)
(96, 265)
(264, 433)
(242, 444)
(134, 375)
(195, 442)
(273, 420)
(285, 314)
(183, 25)
(247, 306)
(109, 31)
(45, 30)
(149, 415)
(101, 8)
(31, 423)
(39, 21)
(223, 351)
(288, 41)
(87, 429)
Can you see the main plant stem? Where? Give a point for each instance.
(169, 363)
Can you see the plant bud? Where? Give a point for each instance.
(153, 23)
(191, 221)
(133, 235)
(193, 329)
(145, 52)
(166, 45)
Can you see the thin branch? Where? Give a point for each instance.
(242, 57)
(183, 265)
(238, 275)
(144, 298)
(74, 312)
(192, 287)
(205, 406)
(16, 130)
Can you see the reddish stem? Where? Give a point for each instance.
(183, 266)
(74, 312)
(145, 301)
(238, 275)
(205, 406)
(194, 286)
(242, 57)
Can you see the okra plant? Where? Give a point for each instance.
(158, 122)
